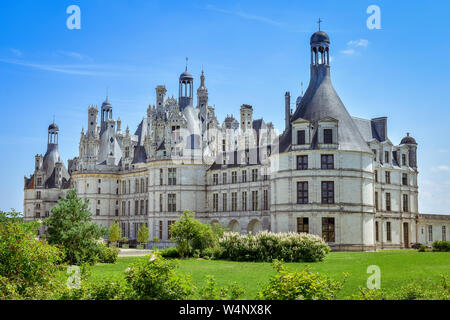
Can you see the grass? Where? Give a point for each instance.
(398, 267)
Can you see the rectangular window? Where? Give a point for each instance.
(215, 202)
(388, 202)
(302, 162)
(129, 208)
(215, 179)
(234, 177)
(172, 176)
(403, 159)
(172, 202)
(142, 207)
(327, 136)
(160, 229)
(224, 202)
(303, 225)
(161, 202)
(444, 233)
(327, 192)
(38, 214)
(97, 212)
(430, 233)
(136, 207)
(376, 176)
(376, 201)
(254, 200)
(136, 186)
(266, 200)
(327, 161)
(146, 207)
(387, 175)
(99, 190)
(374, 154)
(405, 203)
(161, 177)
(224, 178)
(376, 231)
(124, 187)
(404, 179)
(386, 157)
(169, 225)
(38, 195)
(124, 208)
(301, 137)
(302, 192)
(254, 175)
(244, 201)
(388, 231)
(328, 229)
(244, 175)
(234, 201)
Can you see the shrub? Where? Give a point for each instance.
(443, 246)
(108, 254)
(143, 235)
(302, 285)
(25, 261)
(70, 225)
(190, 235)
(212, 292)
(8, 290)
(213, 253)
(422, 248)
(155, 279)
(266, 246)
(170, 253)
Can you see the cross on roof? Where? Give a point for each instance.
(187, 62)
(319, 22)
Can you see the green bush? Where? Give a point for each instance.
(155, 279)
(266, 246)
(422, 248)
(442, 246)
(8, 290)
(108, 254)
(301, 285)
(170, 253)
(212, 292)
(214, 253)
(25, 261)
(98, 290)
(191, 235)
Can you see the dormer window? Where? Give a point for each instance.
(301, 137)
(386, 157)
(328, 136)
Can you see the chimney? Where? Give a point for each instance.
(287, 109)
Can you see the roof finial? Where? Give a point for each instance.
(187, 62)
(53, 119)
(407, 134)
(319, 22)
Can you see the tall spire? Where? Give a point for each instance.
(186, 63)
(319, 21)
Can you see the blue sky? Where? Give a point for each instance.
(252, 52)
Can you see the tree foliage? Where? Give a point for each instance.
(114, 233)
(71, 226)
(143, 234)
(191, 235)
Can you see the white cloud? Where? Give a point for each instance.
(442, 168)
(244, 15)
(348, 51)
(72, 54)
(359, 43)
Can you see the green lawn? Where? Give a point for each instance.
(398, 267)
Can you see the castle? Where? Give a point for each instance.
(327, 173)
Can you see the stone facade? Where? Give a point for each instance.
(328, 173)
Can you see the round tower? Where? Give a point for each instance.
(186, 89)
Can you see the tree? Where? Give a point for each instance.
(114, 233)
(143, 235)
(71, 226)
(190, 234)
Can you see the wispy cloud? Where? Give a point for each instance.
(74, 55)
(16, 52)
(442, 168)
(359, 43)
(353, 45)
(84, 70)
(348, 51)
(245, 15)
